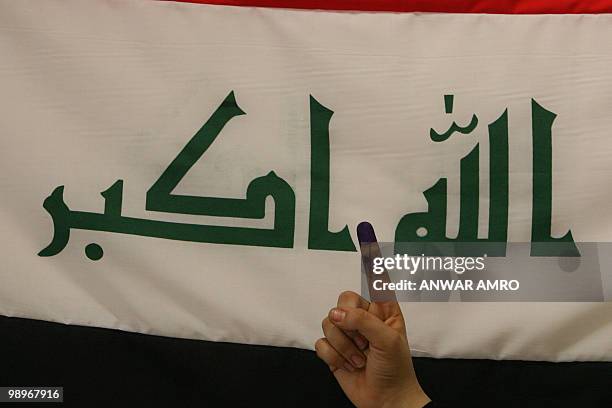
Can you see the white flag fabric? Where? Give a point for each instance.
(147, 101)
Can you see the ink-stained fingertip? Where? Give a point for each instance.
(365, 233)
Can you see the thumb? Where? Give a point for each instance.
(378, 333)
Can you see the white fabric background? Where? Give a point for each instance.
(95, 91)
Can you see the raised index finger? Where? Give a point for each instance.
(384, 300)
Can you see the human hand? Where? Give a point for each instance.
(366, 347)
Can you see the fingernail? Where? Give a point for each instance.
(358, 361)
(349, 367)
(361, 343)
(332, 368)
(337, 315)
(365, 233)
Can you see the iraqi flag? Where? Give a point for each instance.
(197, 170)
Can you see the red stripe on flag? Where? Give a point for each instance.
(434, 6)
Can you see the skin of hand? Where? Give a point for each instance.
(366, 346)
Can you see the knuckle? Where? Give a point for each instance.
(319, 345)
(325, 323)
(347, 296)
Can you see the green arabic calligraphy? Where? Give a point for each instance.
(454, 128)
(432, 224)
(541, 213)
(412, 229)
(319, 236)
(430, 227)
(160, 198)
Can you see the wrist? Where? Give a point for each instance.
(414, 397)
